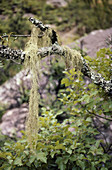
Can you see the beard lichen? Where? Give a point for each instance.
(72, 59)
(37, 40)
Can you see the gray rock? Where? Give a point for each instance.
(13, 121)
(93, 41)
(10, 92)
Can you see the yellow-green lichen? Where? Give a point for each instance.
(37, 40)
(72, 58)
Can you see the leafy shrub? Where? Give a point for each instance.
(71, 144)
(57, 147)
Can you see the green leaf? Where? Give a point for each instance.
(73, 158)
(66, 81)
(97, 143)
(74, 168)
(59, 113)
(69, 151)
(81, 164)
(26, 152)
(32, 158)
(60, 146)
(73, 72)
(42, 157)
(52, 154)
(66, 159)
(6, 167)
(62, 166)
(88, 58)
(17, 161)
(104, 168)
(93, 168)
(79, 122)
(88, 119)
(85, 98)
(60, 163)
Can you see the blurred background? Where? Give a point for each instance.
(72, 19)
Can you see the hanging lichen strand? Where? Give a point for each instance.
(37, 40)
(72, 59)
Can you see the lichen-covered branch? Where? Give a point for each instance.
(96, 78)
(38, 24)
(56, 49)
(86, 70)
(8, 53)
(43, 27)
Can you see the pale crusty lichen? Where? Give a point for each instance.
(37, 40)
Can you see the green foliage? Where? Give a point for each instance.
(71, 144)
(103, 63)
(57, 147)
